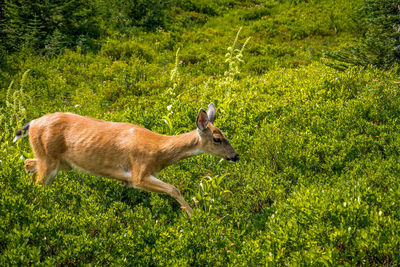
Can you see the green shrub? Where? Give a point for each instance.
(118, 50)
(147, 14)
(205, 6)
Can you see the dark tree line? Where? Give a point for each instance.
(49, 26)
(380, 46)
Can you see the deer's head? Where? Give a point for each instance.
(212, 139)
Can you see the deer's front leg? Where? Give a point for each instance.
(151, 183)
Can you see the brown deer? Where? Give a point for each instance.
(122, 151)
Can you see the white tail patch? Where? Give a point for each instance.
(22, 132)
(17, 137)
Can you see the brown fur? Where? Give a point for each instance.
(122, 151)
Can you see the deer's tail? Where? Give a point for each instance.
(19, 133)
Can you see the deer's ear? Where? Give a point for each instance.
(211, 112)
(202, 120)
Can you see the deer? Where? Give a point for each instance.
(118, 150)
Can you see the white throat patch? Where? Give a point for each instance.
(196, 152)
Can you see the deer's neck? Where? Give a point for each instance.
(180, 147)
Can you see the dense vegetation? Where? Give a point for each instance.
(318, 180)
(380, 45)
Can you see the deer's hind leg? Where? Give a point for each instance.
(47, 169)
(31, 167)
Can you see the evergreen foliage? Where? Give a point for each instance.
(380, 47)
(145, 13)
(47, 26)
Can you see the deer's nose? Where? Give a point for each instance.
(234, 159)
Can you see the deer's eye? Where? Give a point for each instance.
(217, 140)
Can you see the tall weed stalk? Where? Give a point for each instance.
(234, 57)
(13, 114)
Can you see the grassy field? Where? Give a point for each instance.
(318, 179)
